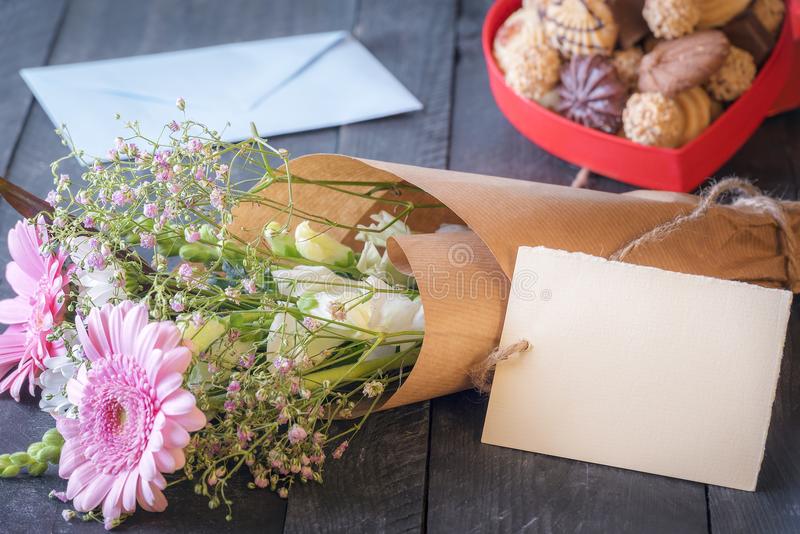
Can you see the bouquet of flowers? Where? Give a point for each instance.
(195, 307)
(165, 343)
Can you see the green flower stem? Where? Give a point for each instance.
(358, 371)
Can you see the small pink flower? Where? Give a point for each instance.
(233, 388)
(150, 210)
(296, 434)
(174, 126)
(195, 145)
(217, 198)
(200, 174)
(191, 234)
(52, 198)
(39, 281)
(133, 419)
(147, 240)
(339, 452)
(249, 285)
(186, 272)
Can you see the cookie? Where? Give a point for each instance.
(580, 27)
(653, 119)
(591, 94)
(695, 105)
(676, 65)
(734, 77)
(770, 13)
(626, 63)
(520, 32)
(535, 72)
(671, 18)
(715, 13)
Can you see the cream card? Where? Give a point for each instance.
(639, 368)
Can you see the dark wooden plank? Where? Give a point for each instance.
(480, 488)
(28, 30)
(379, 485)
(772, 160)
(99, 30)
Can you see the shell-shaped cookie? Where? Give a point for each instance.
(715, 13)
(695, 105)
(580, 27)
(521, 32)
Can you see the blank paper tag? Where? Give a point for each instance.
(639, 368)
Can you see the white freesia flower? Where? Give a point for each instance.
(311, 278)
(53, 381)
(372, 262)
(388, 226)
(318, 246)
(367, 311)
(291, 339)
(98, 285)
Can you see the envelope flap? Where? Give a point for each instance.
(231, 73)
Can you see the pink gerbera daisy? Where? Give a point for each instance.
(133, 419)
(38, 279)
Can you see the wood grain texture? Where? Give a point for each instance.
(480, 488)
(28, 30)
(379, 484)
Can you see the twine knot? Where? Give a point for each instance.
(483, 373)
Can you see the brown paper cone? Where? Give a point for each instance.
(464, 277)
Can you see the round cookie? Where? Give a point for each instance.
(696, 108)
(769, 13)
(520, 32)
(734, 77)
(534, 73)
(653, 119)
(627, 62)
(671, 18)
(580, 27)
(715, 13)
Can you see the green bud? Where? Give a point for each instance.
(10, 471)
(243, 319)
(50, 454)
(21, 458)
(5, 461)
(208, 234)
(198, 253)
(52, 437)
(37, 469)
(34, 448)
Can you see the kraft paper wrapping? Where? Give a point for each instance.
(464, 277)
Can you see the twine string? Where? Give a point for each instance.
(483, 373)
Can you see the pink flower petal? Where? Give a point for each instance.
(21, 282)
(176, 360)
(135, 322)
(68, 428)
(91, 351)
(79, 478)
(23, 244)
(94, 493)
(71, 458)
(147, 466)
(192, 421)
(112, 505)
(179, 402)
(129, 492)
(14, 311)
(167, 384)
(75, 391)
(164, 461)
(151, 498)
(175, 436)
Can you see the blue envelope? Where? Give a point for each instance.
(283, 85)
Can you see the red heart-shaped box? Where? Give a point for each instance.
(776, 88)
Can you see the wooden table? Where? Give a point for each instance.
(421, 467)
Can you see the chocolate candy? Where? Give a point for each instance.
(591, 93)
(747, 32)
(632, 26)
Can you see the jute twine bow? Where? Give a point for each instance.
(749, 196)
